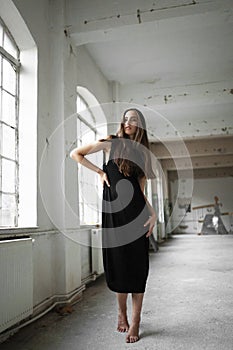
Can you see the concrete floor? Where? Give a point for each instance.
(188, 305)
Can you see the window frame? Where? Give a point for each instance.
(15, 63)
(81, 119)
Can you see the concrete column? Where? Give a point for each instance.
(115, 116)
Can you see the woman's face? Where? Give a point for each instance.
(130, 123)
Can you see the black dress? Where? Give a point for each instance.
(125, 245)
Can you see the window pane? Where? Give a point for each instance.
(1, 59)
(79, 133)
(84, 110)
(8, 108)
(9, 46)
(8, 142)
(90, 215)
(1, 34)
(90, 188)
(83, 129)
(88, 197)
(9, 77)
(88, 136)
(87, 116)
(80, 104)
(87, 190)
(8, 211)
(0, 105)
(8, 176)
(8, 132)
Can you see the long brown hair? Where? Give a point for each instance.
(123, 154)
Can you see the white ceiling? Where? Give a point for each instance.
(192, 49)
(174, 56)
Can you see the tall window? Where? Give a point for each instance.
(89, 186)
(9, 135)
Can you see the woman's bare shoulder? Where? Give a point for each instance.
(107, 141)
(108, 138)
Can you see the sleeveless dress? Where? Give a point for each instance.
(124, 242)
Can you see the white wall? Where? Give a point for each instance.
(60, 263)
(90, 77)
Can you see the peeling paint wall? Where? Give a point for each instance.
(190, 112)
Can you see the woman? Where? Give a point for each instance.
(127, 217)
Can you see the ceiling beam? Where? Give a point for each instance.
(198, 162)
(204, 173)
(201, 147)
(111, 22)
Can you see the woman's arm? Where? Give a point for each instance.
(78, 154)
(152, 219)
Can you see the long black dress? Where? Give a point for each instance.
(125, 245)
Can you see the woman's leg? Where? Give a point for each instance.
(133, 333)
(123, 324)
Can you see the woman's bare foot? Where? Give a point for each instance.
(123, 325)
(133, 333)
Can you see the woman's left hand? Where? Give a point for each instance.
(151, 221)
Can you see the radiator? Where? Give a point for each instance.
(16, 281)
(96, 251)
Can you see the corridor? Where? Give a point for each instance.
(188, 305)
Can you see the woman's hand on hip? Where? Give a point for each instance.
(103, 178)
(151, 223)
